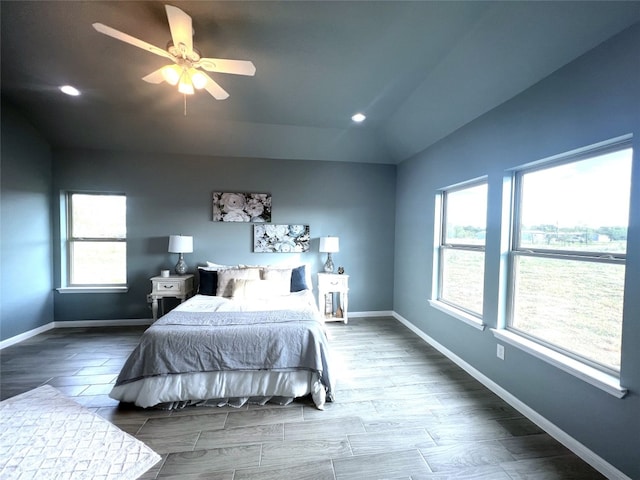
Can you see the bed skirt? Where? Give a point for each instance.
(222, 388)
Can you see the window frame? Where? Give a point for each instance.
(69, 241)
(441, 246)
(516, 250)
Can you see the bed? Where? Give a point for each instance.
(260, 338)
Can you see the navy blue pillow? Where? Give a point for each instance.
(208, 282)
(299, 279)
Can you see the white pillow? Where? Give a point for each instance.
(225, 287)
(281, 278)
(216, 266)
(294, 264)
(252, 289)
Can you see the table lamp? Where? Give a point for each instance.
(181, 244)
(329, 245)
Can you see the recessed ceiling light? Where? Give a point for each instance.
(69, 90)
(359, 117)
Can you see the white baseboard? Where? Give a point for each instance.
(103, 323)
(560, 435)
(382, 313)
(26, 335)
(71, 324)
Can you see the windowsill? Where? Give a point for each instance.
(593, 376)
(459, 314)
(124, 289)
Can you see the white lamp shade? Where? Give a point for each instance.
(185, 86)
(171, 74)
(180, 244)
(198, 78)
(329, 244)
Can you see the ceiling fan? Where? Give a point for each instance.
(185, 70)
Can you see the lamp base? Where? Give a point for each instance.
(181, 266)
(328, 265)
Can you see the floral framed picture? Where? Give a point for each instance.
(241, 207)
(280, 238)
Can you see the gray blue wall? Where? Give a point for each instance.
(171, 194)
(26, 278)
(595, 98)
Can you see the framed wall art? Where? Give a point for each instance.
(280, 238)
(241, 207)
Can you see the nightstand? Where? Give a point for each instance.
(328, 283)
(175, 286)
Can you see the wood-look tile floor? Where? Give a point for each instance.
(402, 411)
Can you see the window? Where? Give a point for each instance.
(460, 282)
(568, 254)
(96, 239)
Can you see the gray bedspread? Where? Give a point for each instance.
(188, 342)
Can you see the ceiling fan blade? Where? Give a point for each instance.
(214, 89)
(154, 77)
(118, 35)
(236, 67)
(181, 30)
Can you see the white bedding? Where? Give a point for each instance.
(302, 300)
(233, 388)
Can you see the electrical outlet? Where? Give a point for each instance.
(500, 351)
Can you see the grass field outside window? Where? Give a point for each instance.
(97, 233)
(461, 247)
(568, 253)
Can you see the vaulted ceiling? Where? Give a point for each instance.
(419, 70)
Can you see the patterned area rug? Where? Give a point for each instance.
(45, 435)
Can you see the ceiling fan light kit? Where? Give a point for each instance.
(186, 78)
(197, 78)
(185, 86)
(171, 74)
(184, 72)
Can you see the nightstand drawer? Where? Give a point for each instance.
(333, 281)
(172, 286)
(169, 287)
